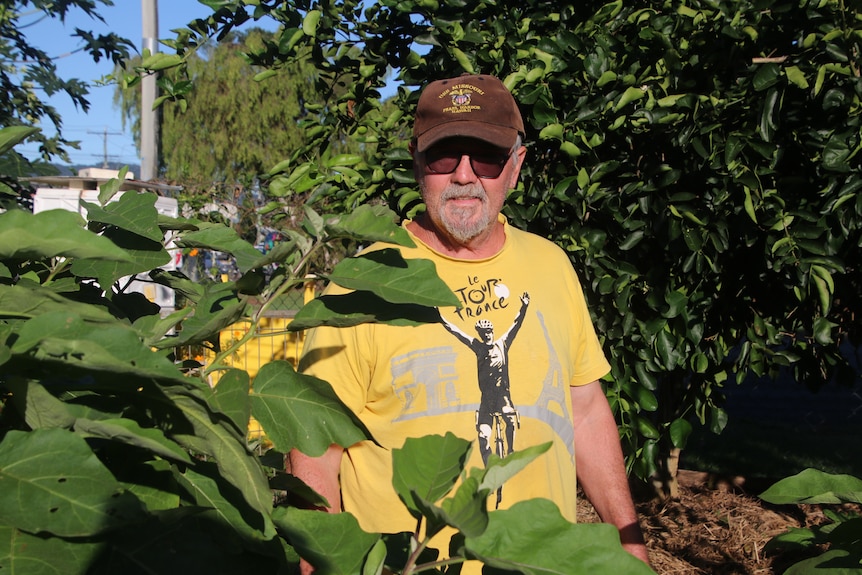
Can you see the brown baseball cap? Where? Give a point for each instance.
(471, 106)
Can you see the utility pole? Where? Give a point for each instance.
(105, 133)
(149, 93)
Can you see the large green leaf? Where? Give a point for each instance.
(40, 409)
(533, 538)
(26, 236)
(145, 255)
(815, 486)
(388, 275)
(218, 308)
(428, 467)
(224, 502)
(332, 542)
(21, 552)
(11, 136)
(31, 301)
(302, 412)
(467, 509)
(65, 337)
(498, 470)
(133, 212)
(230, 397)
(222, 239)
(369, 223)
(355, 308)
(832, 562)
(53, 483)
(228, 448)
(128, 431)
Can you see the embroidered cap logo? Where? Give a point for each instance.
(462, 99)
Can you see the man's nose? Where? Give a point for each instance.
(464, 173)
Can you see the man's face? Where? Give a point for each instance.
(462, 204)
(486, 335)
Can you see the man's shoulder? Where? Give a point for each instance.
(534, 242)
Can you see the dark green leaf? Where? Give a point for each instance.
(428, 467)
(26, 236)
(129, 432)
(332, 542)
(65, 337)
(230, 397)
(814, 486)
(223, 502)
(133, 212)
(533, 538)
(388, 275)
(11, 136)
(237, 465)
(359, 307)
(223, 239)
(22, 552)
(369, 224)
(52, 482)
(680, 430)
(767, 75)
(302, 412)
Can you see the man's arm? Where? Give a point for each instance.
(321, 474)
(600, 466)
(454, 330)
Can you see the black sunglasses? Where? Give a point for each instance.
(485, 165)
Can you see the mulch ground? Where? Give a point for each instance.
(717, 527)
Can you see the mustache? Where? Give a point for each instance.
(453, 191)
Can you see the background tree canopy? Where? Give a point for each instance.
(231, 127)
(698, 160)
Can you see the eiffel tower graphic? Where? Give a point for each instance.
(550, 406)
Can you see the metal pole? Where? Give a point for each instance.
(149, 93)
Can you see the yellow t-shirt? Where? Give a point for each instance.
(453, 376)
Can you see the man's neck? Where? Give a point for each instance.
(485, 245)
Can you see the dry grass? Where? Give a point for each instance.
(715, 528)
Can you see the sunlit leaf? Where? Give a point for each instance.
(302, 412)
(26, 236)
(533, 538)
(393, 278)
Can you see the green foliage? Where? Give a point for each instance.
(231, 127)
(27, 72)
(699, 161)
(837, 544)
(117, 456)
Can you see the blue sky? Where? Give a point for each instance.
(102, 124)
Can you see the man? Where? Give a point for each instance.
(409, 382)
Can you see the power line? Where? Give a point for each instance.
(105, 135)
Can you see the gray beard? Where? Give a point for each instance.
(457, 222)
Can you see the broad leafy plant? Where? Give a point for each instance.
(118, 457)
(836, 546)
(699, 160)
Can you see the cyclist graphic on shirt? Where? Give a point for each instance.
(492, 360)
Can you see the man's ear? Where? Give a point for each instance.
(521, 153)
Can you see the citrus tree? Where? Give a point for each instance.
(699, 161)
(118, 457)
